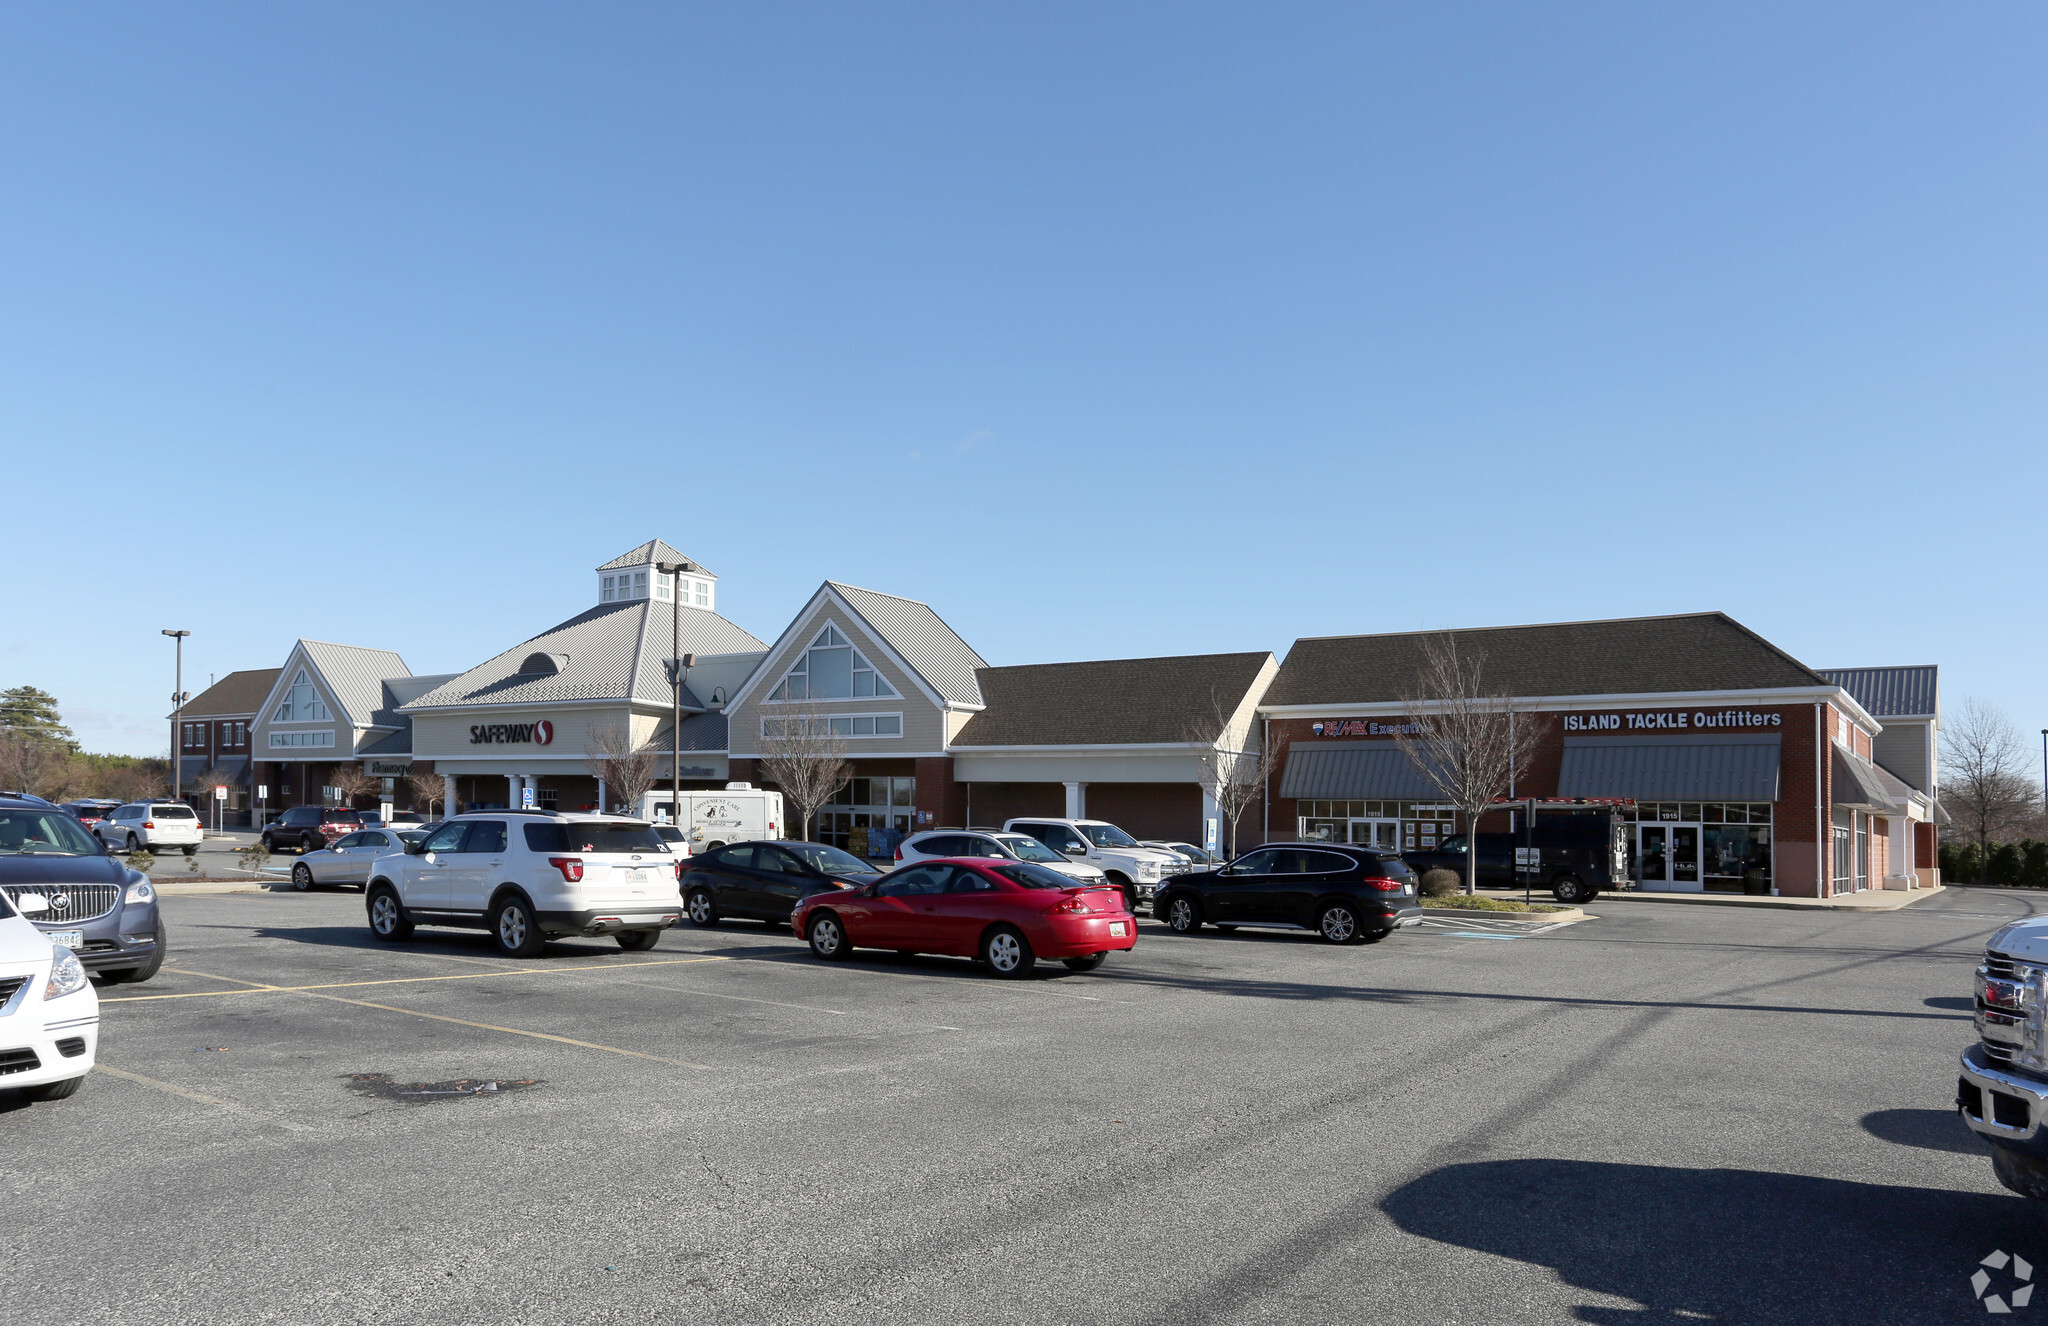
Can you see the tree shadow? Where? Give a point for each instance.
(1933, 1130)
(1726, 1245)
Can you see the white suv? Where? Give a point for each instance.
(1003, 846)
(49, 1015)
(527, 875)
(149, 825)
(1132, 867)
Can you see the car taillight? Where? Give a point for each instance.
(1386, 885)
(570, 866)
(1074, 904)
(149, 824)
(679, 872)
(899, 853)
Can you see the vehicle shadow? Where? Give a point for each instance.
(1727, 1245)
(1932, 1130)
(1960, 1003)
(460, 943)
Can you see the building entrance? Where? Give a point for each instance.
(1383, 834)
(1668, 858)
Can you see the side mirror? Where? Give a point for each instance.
(868, 890)
(32, 904)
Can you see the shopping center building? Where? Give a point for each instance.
(1730, 756)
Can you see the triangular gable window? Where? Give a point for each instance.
(302, 704)
(831, 669)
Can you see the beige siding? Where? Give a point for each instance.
(924, 728)
(445, 736)
(259, 735)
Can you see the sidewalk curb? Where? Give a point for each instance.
(1520, 918)
(1857, 903)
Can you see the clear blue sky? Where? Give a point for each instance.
(1107, 330)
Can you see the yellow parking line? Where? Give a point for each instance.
(309, 992)
(259, 987)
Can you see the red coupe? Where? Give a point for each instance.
(1005, 914)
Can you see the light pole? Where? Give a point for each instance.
(674, 570)
(178, 698)
(2044, 769)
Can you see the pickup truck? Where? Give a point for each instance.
(1131, 866)
(2003, 1090)
(1579, 856)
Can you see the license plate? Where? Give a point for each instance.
(71, 939)
(1116, 929)
(636, 876)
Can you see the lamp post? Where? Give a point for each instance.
(178, 698)
(2044, 769)
(674, 570)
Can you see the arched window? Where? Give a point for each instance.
(302, 704)
(831, 669)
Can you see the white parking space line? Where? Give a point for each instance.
(1010, 987)
(773, 1003)
(213, 1101)
(509, 1031)
(263, 987)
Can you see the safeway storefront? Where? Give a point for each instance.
(1734, 761)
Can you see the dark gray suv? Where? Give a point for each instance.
(97, 907)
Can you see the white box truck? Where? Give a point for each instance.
(741, 813)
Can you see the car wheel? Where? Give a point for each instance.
(1339, 924)
(302, 876)
(137, 975)
(132, 845)
(55, 1090)
(1183, 915)
(1006, 952)
(516, 931)
(1571, 890)
(269, 843)
(1088, 963)
(388, 920)
(308, 843)
(192, 851)
(638, 941)
(828, 937)
(703, 911)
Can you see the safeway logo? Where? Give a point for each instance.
(543, 732)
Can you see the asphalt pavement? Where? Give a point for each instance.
(1658, 1115)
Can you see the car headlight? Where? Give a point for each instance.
(67, 974)
(141, 892)
(1148, 870)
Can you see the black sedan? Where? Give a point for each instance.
(765, 881)
(1347, 894)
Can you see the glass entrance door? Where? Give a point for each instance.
(1383, 834)
(1668, 857)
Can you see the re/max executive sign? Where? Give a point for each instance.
(1666, 720)
(512, 734)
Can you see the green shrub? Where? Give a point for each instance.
(1441, 883)
(254, 857)
(2004, 864)
(1958, 862)
(1476, 903)
(141, 861)
(2034, 864)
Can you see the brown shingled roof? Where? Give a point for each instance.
(1706, 651)
(1108, 701)
(233, 696)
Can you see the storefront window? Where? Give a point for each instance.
(869, 817)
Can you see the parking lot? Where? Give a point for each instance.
(1655, 1115)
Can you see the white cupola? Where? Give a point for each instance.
(637, 575)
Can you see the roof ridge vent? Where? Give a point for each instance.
(540, 664)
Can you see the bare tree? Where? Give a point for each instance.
(426, 789)
(626, 768)
(806, 760)
(350, 782)
(1466, 741)
(32, 763)
(1985, 786)
(139, 781)
(1231, 765)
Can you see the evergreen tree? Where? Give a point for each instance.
(26, 711)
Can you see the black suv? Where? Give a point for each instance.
(90, 903)
(1347, 894)
(765, 881)
(310, 828)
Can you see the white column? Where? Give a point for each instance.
(1077, 801)
(448, 806)
(600, 798)
(512, 790)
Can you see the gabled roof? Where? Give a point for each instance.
(234, 695)
(614, 651)
(701, 732)
(354, 677)
(390, 744)
(1705, 651)
(920, 638)
(654, 550)
(1908, 692)
(1111, 701)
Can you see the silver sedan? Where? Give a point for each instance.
(347, 859)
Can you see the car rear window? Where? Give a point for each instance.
(593, 837)
(172, 812)
(1032, 877)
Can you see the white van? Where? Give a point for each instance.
(741, 813)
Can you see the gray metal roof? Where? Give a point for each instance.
(1858, 784)
(391, 743)
(701, 732)
(613, 651)
(1112, 700)
(925, 642)
(654, 550)
(1674, 768)
(1707, 651)
(1354, 771)
(1908, 692)
(355, 676)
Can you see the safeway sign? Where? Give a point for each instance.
(512, 734)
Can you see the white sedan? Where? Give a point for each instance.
(347, 859)
(49, 1015)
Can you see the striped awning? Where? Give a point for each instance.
(1671, 768)
(1354, 771)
